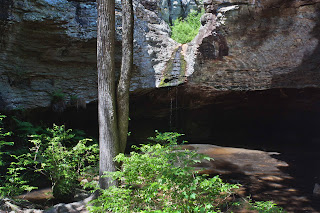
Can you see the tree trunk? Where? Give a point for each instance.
(126, 67)
(107, 112)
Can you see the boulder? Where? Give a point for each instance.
(263, 175)
(9, 205)
(237, 161)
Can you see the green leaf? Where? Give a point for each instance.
(193, 196)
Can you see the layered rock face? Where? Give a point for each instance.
(50, 45)
(245, 45)
(258, 45)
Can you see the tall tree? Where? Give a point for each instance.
(113, 104)
(126, 67)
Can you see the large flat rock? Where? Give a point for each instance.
(263, 175)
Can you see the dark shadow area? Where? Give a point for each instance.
(4, 15)
(4, 9)
(277, 120)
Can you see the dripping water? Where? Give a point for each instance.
(173, 115)
(171, 107)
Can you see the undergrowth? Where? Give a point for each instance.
(156, 177)
(54, 157)
(160, 178)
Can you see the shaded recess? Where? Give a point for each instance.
(4, 9)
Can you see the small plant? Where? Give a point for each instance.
(265, 207)
(184, 30)
(58, 96)
(160, 178)
(73, 98)
(58, 101)
(54, 157)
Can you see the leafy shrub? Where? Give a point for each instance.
(23, 129)
(184, 30)
(14, 182)
(53, 157)
(160, 178)
(8, 183)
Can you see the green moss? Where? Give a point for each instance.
(183, 66)
(169, 67)
(166, 73)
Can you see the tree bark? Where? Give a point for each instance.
(107, 112)
(126, 68)
(113, 106)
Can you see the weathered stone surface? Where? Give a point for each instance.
(50, 45)
(243, 45)
(263, 175)
(228, 160)
(75, 207)
(9, 205)
(271, 44)
(41, 195)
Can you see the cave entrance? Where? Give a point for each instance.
(285, 121)
(272, 119)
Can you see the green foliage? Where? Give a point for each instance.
(160, 178)
(73, 98)
(58, 96)
(184, 30)
(2, 142)
(15, 182)
(53, 156)
(8, 183)
(23, 129)
(266, 207)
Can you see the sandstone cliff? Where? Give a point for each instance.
(245, 45)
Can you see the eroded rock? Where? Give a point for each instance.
(48, 46)
(271, 44)
(243, 45)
